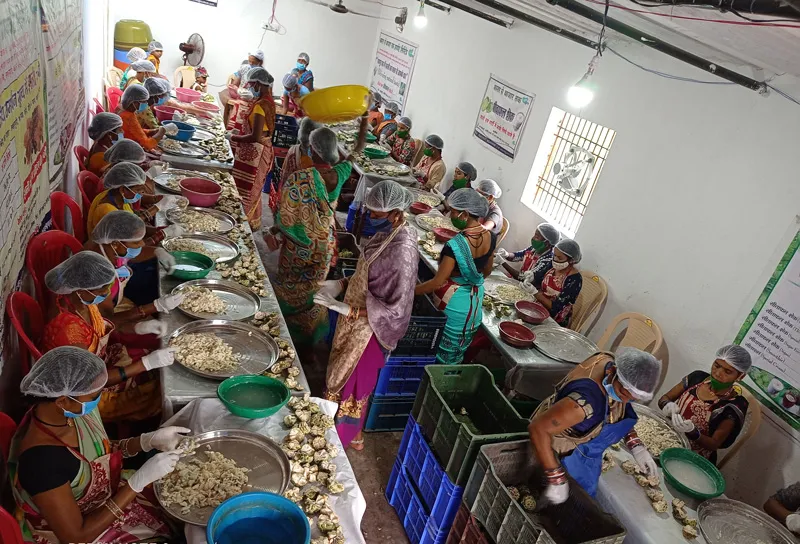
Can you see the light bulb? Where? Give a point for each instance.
(580, 94)
(420, 20)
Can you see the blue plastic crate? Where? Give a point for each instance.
(388, 413)
(401, 376)
(405, 499)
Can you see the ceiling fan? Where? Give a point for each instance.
(339, 7)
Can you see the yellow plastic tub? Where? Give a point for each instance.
(336, 104)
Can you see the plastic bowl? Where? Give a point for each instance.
(165, 113)
(249, 515)
(419, 207)
(270, 388)
(187, 95)
(336, 104)
(516, 335)
(191, 265)
(207, 108)
(690, 457)
(200, 192)
(373, 153)
(443, 235)
(185, 131)
(531, 312)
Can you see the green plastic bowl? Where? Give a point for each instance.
(189, 259)
(375, 153)
(371, 137)
(690, 457)
(275, 394)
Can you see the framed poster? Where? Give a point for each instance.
(394, 66)
(502, 117)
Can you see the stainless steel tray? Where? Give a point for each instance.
(163, 179)
(491, 284)
(663, 425)
(269, 466)
(733, 522)
(226, 222)
(564, 345)
(421, 224)
(187, 149)
(417, 193)
(241, 302)
(226, 250)
(257, 350)
(201, 134)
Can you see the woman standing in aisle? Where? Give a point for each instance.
(252, 144)
(297, 158)
(305, 77)
(292, 93)
(106, 130)
(375, 312)
(457, 287)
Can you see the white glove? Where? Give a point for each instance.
(165, 259)
(171, 129)
(793, 523)
(682, 425)
(498, 259)
(438, 193)
(228, 135)
(503, 253)
(528, 286)
(151, 326)
(178, 116)
(154, 469)
(670, 409)
(155, 170)
(329, 302)
(159, 358)
(168, 302)
(558, 493)
(172, 231)
(172, 201)
(164, 439)
(332, 288)
(645, 460)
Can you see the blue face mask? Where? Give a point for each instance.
(301, 66)
(115, 138)
(162, 100)
(609, 387)
(256, 93)
(132, 252)
(387, 116)
(133, 200)
(123, 273)
(97, 300)
(143, 106)
(86, 408)
(379, 225)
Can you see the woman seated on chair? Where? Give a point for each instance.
(159, 94)
(403, 146)
(66, 474)
(135, 54)
(106, 130)
(710, 408)
(134, 100)
(494, 219)
(539, 253)
(144, 70)
(129, 151)
(558, 283)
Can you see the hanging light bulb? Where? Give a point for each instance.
(582, 93)
(421, 20)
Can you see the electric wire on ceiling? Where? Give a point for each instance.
(688, 18)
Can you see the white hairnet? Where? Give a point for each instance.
(125, 151)
(323, 142)
(388, 195)
(289, 81)
(84, 270)
(305, 57)
(260, 75)
(468, 200)
(404, 121)
(102, 124)
(435, 141)
(156, 85)
(307, 126)
(136, 53)
(143, 66)
(392, 107)
(124, 174)
(549, 232)
(470, 171)
(736, 356)
(490, 187)
(259, 54)
(119, 226)
(154, 46)
(65, 371)
(638, 371)
(571, 249)
(134, 93)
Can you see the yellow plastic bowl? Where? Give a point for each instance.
(336, 104)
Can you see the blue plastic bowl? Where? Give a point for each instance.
(258, 517)
(185, 131)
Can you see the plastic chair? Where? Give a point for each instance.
(592, 297)
(46, 251)
(752, 421)
(10, 532)
(26, 317)
(503, 231)
(90, 186)
(184, 77)
(82, 154)
(98, 107)
(113, 96)
(640, 332)
(114, 76)
(59, 202)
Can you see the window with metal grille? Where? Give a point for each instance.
(566, 168)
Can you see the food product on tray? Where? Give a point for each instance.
(203, 301)
(205, 352)
(194, 221)
(247, 272)
(171, 145)
(435, 221)
(428, 245)
(199, 483)
(217, 148)
(510, 294)
(656, 436)
(430, 200)
(183, 244)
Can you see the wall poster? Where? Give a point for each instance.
(502, 117)
(394, 66)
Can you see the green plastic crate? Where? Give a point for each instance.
(455, 437)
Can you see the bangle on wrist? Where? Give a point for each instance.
(122, 374)
(556, 476)
(693, 434)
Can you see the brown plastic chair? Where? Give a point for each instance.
(640, 332)
(752, 421)
(592, 297)
(503, 231)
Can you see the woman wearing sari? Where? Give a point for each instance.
(305, 77)
(134, 101)
(66, 474)
(297, 158)
(375, 312)
(252, 144)
(135, 54)
(106, 130)
(457, 287)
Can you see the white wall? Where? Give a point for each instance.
(340, 46)
(693, 206)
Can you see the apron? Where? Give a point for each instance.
(353, 335)
(698, 412)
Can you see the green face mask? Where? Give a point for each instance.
(458, 223)
(428, 152)
(539, 246)
(402, 134)
(717, 385)
(460, 183)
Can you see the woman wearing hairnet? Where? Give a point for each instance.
(159, 95)
(67, 475)
(305, 77)
(136, 53)
(154, 52)
(375, 115)
(457, 287)
(463, 174)
(538, 254)
(710, 408)
(589, 412)
(251, 140)
(134, 100)
(388, 123)
(491, 191)
(297, 158)
(144, 69)
(106, 130)
(292, 93)
(403, 146)
(556, 284)
(431, 169)
(375, 311)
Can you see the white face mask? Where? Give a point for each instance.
(560, 266)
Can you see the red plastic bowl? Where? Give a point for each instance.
(206, 107)
(444, 235)
(419, 207)
(531, 312)
(516, 335)
(164, 113)
(187, 95)
(200, 192)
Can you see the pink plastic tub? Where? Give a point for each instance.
(164, 113)
(206, 107)
(200, 192)
(187, 95)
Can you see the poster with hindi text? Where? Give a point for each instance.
(502, 117)
(394, 66)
